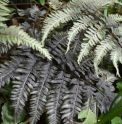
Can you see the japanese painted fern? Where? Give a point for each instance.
(99, 33)
(60, 87)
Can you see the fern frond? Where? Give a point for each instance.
(85, 48)
(105, 85)
(94, 5)
(115, 57)
(113, 19)
(90, 103)
(23, 83)
(93, 36)
(72, 101)
(54, 105)
(60, 16)
(7, 70)
(117, 31)
(38, 101)
(55, 4)
(78, 26)
(101, 50)
(4, 11)
(15, 35)
(4, 47)
(39, 94)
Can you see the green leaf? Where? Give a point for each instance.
(8, 114)
(116, 120)
(119, 86)
(106, 12)
(33, 0)
(113, 112)
(42, 2)
(90, 117)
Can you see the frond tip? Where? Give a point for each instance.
(58, 17)
(15, 35)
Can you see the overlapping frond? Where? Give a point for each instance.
(55, 4)
(93, 36)
(41, 89)
(62, 87)
(91, 23)
(7, 70)
(72, 101)
(101, 50)
(115, 57)
(4, 47)
(23, 83)
(60, 16)
(55, 98)
(113, 19)
(15, 35)
(4, 11)
(78, 26)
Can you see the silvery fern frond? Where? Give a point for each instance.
(113, 19)
(4, 11)
(15, 35)
(60, 16)
(85, 48)
(93, 36)
(115, 57)
(117, 31)
(78, 26)
(55, 4)
(91, 24)
(101, 50)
